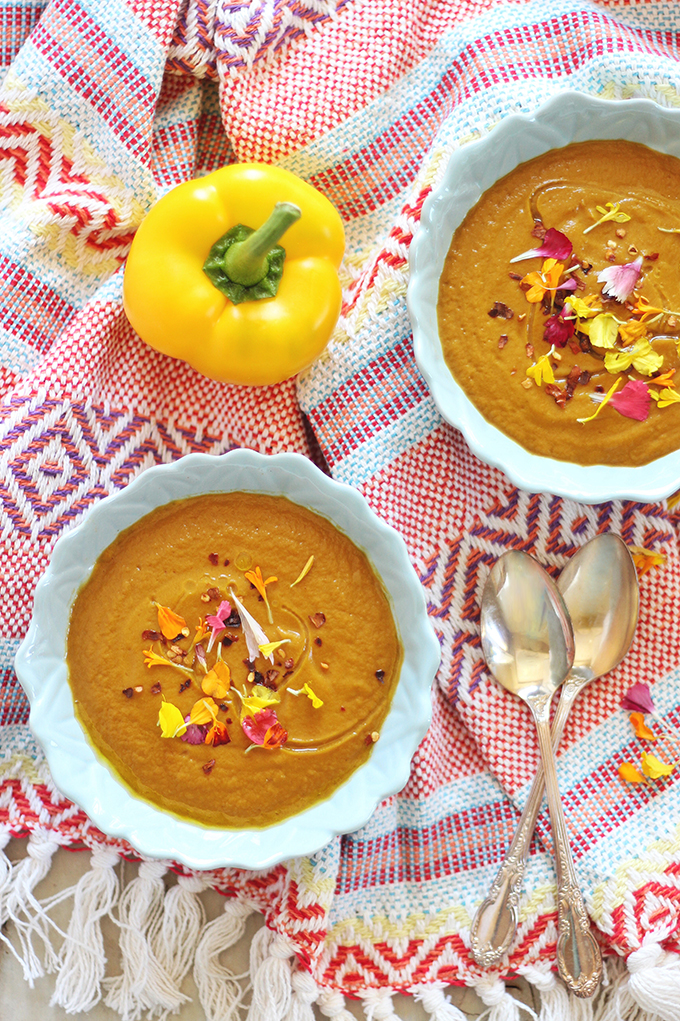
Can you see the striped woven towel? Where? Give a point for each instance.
(106, 104)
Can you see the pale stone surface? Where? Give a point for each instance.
(18, 1002)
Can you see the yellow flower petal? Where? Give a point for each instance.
(541, 371)
(268, 647)
(260, 698)
(217, 681)
(604, 330)
(314, 699)
(667, 397)
(304, 572)
(655, 768)
(646, 559)
(203, 711)
(170, 720)
(606, 398)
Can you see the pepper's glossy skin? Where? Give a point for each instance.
(175, 308)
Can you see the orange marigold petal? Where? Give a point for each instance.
(169, 622)
(628, 772)
(640, 727)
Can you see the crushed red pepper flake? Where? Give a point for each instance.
(213, 594)
(652, 257)
(288, 663)
(500, 309)
(213, 558)
(155, 689)
(515, 276)
(539, 230)
(128, 692)
(380, 674)
(184, 685)
(318, 641)
(318, 619)
(208, 766)
(530, 351)
(151, 636)
(226, 563)
(503, 340)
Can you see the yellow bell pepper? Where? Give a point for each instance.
(282, 303)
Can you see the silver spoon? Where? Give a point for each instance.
(600, 588)
(529, 646)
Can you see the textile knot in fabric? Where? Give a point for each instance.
(493, 994)
(544, 981)
(281, 948)
(152, 869)
(192, 884)
(648, 956)
(304, 986)
(41, 847)
(103, 857)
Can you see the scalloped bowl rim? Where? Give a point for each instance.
(472, 169)
(83, 776)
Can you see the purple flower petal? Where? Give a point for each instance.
(620, 281)
(558, 331)
(633, 401)
(638, 699)
(555, 246)
(195, 734)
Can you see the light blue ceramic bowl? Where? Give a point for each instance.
(472, 169)
(84, 777)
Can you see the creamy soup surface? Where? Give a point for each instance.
(503, 323)
(251, 738)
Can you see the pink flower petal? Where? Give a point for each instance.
(555, 246)
(633, 401)
(638, 699)
(217, 621)
(255, 727)
(558, 331)
(568, 285)
(620, 281)
(195, 733)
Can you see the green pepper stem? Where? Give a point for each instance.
(246, 261)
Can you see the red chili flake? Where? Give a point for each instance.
(208, 766)
(584, 378)
(515, 276)
(530, 350)
(226, 563)
(229, 720)
(610, 256)
(318, 619)
(151, 636)
(575, 347)
(184, 685)
(128, 692)
(233, 620)
(580, 284)
(502, 340)
(368, 739)
(586, 267)
(289, 663)
(213, 558)
(585, 345)
(573, 379)
(247, 663)
(270, 678)
(223, 706)
(318, 641)
(155, 689)
(380, 674)
(539, 230)
(599, 389)
(342, 709)
(288, 673)
(258, 678)
(652, 257)
(213, 593)
(502, 310)
(557, 393)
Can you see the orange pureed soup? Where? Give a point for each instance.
(572, 351)
(233, 658)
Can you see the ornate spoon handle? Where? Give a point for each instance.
(494, 925)
(579, 960)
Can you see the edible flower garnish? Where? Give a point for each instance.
(200, 656)
(638, 699)
(170, 624)
(217, 734)
(555, 246)
(170, 720)
(631, 331)
(610, 213)
(195, 734)
(255, 578)
(304, 572)
(541, 371)
(201, 630)
(314, 699)
(645, 560)
(254, 635)
(628, 772)
(620, 281)
(583, 307)
(260, 698)
(603, 330)
(667, 396)
(152, 658)
(654, 768)
(558, 330)
(217, 621)
(203, 711)
(640, 727)
(270, 647)
(264, 729)
(641, 356)
(217, 681)
(605, 400)
(540, 282)
(633, 401)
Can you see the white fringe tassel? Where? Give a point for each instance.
(304, 993)
(501, 1005)
(647, 990)
(271, 976)
(378, 1005)
(82, 959)
(436, 1004)
(18, 905)
(144, 983)
(175, 940)
(218, 989)
(557, 1003)
(331, 1003)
